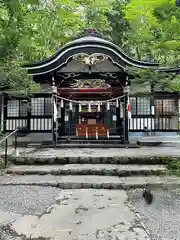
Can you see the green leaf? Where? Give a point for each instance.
(33, 1)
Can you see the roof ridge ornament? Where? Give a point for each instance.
(90, 32)
(92, 83)
(90, 60)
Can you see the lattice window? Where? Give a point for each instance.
(143, 106)
(133, 105)
(23, 108)
(41, 106)
(47, 106)
(17, 108)
(37, 106)
(165, 106)
(13, 108)
(140, 106)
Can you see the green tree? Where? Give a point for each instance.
(154, 30)
(153, 35)
(31, 30)
(34, 29)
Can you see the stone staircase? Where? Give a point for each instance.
(107, 169)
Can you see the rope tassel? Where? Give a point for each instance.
(117, 103)
(62, 103)
(70, 105)
(108, 106)
(89, 107)
(99, 107)
(80, 107)
(129, 108)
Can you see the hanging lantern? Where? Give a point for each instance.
(117, 103)
(99, 107)
(89, 107)
(108, 106)
(62, 103)
(54, 89)
(80, 107)
(70, 105)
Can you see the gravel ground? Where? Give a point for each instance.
(27, 200)
(162, 217)
(23, 200)
(6, 236)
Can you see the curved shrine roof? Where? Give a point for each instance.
(89, 43)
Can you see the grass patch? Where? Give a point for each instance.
(173, 166)
(2, 163)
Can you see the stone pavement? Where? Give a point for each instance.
(88, 152)
(110, 152)
(85, 215)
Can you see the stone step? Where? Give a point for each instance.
(90, 181)
(88, 169)
(83, 145)
(41, 158)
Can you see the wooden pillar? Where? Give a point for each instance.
(5, 113)
(109, 116)
(70, 120)
(62, 121)
(54, 121)
(70, 124)
(2, 113)
(29, 114)
(118, 122)
(126, 120)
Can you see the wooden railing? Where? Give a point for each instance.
(5, 139)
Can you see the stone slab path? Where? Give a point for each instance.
(110, 152)
(85, 215)
(161, 218)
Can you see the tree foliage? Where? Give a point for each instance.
(155, 30)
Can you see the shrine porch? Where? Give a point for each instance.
(45, 139)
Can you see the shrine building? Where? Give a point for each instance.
(89, 93)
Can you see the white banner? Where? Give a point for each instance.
(55, 112)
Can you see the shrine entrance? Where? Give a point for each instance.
(91, 109)
(91, 120)
(90, 88)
